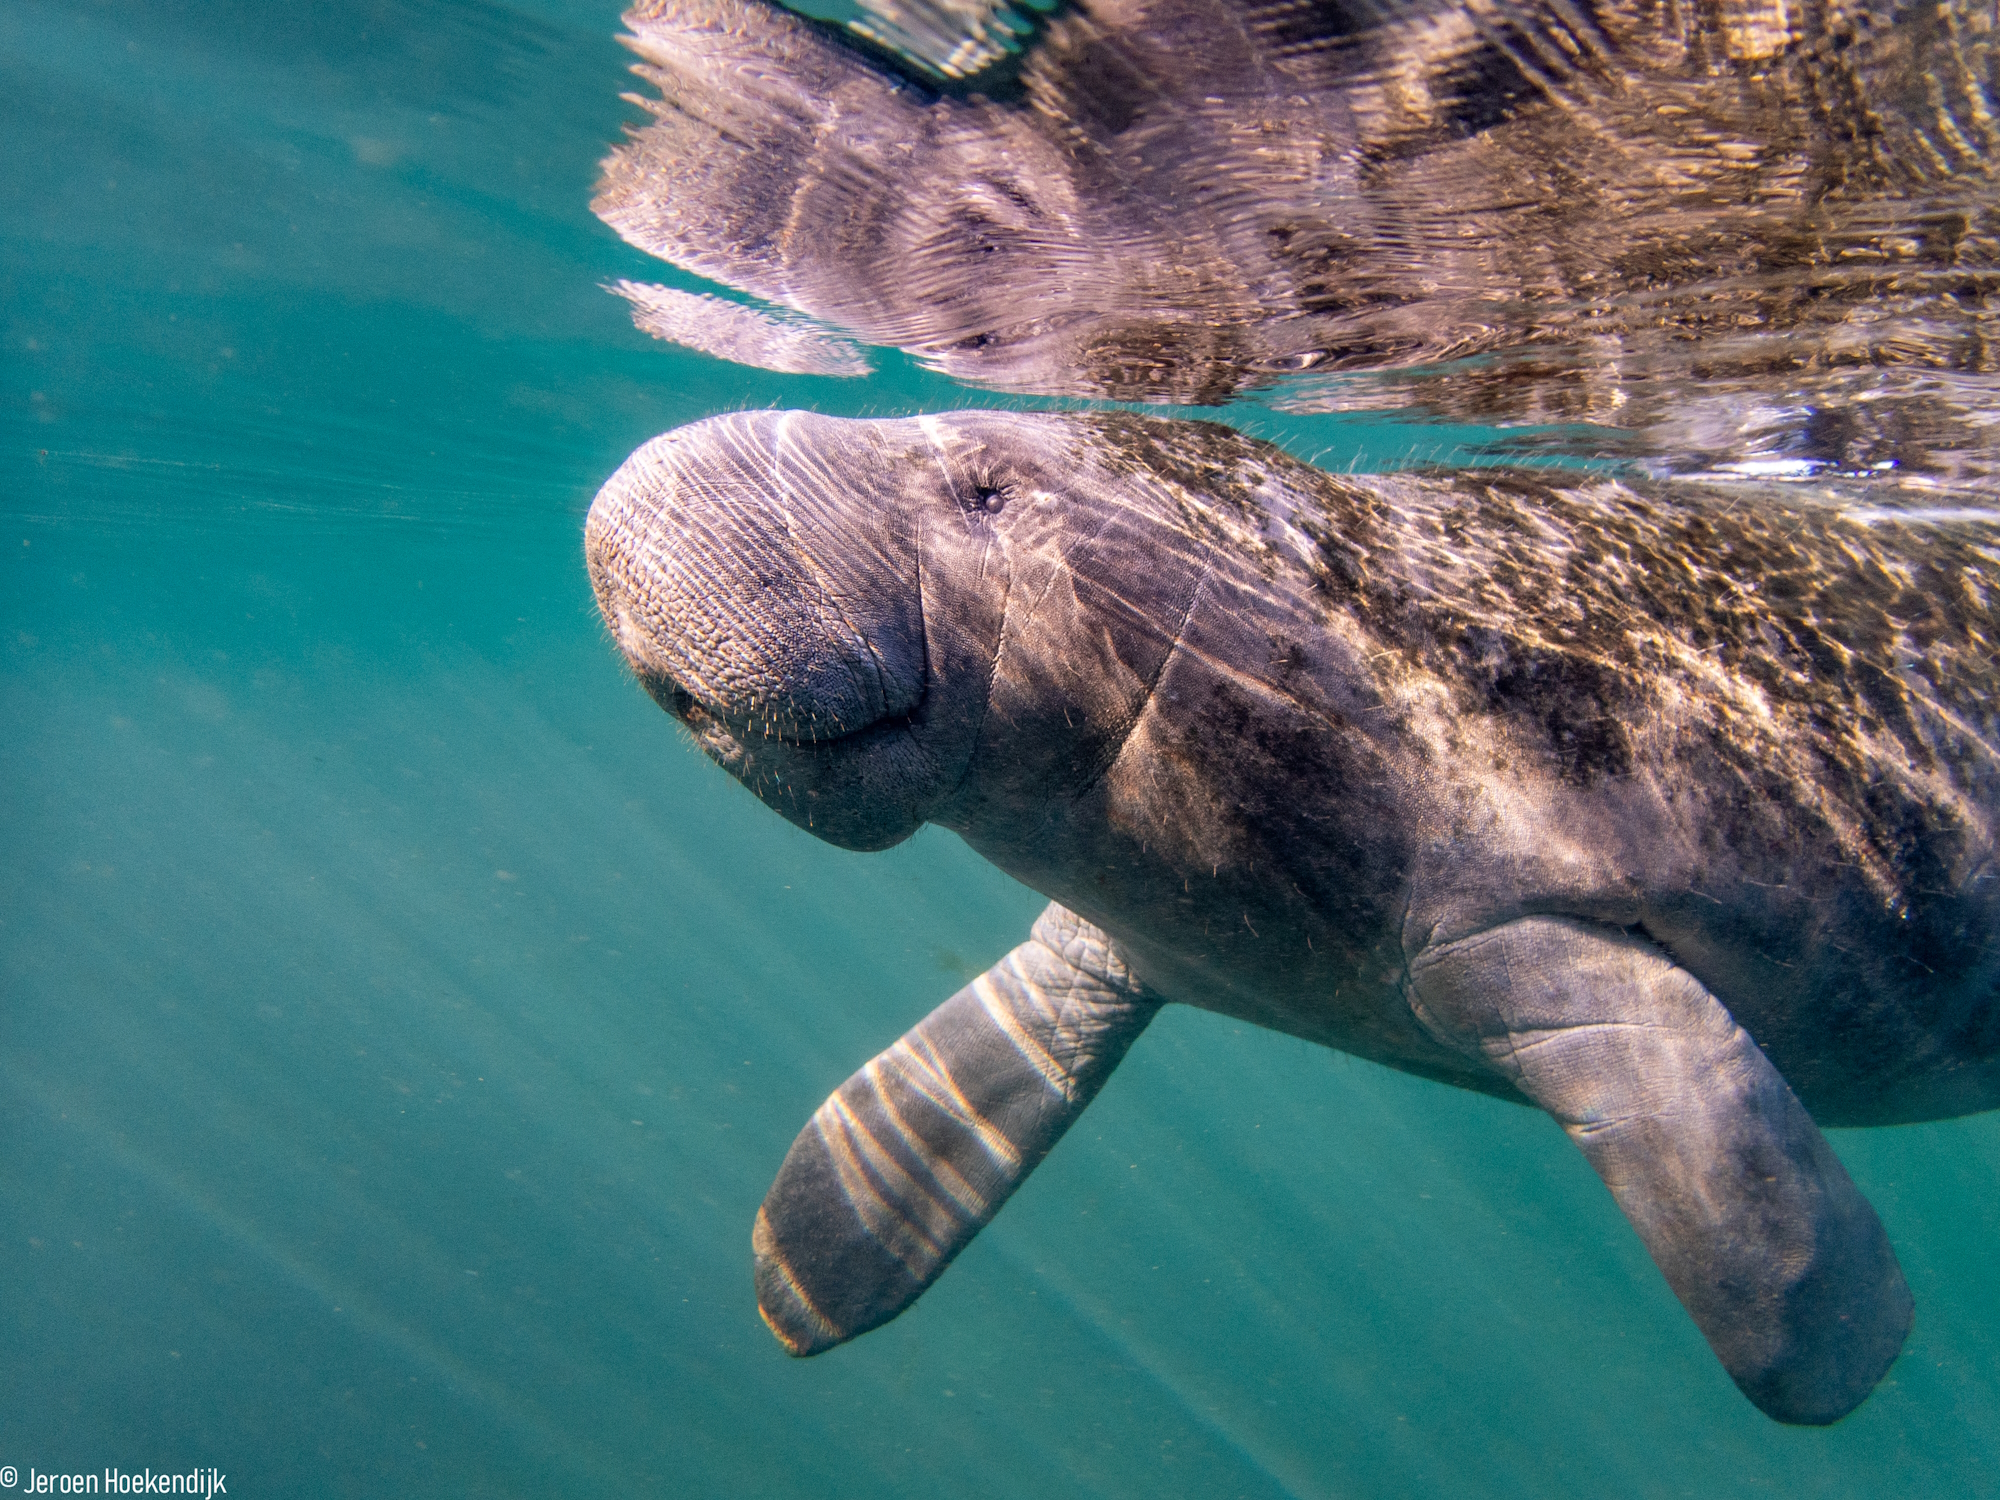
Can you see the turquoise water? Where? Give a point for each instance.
(402, 1023)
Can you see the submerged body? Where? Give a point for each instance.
(1637, 807)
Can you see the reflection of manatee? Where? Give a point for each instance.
(1636, 810)
(783, 342)
(1180, 199)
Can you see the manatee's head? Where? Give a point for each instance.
(821, 602)
(874, 624)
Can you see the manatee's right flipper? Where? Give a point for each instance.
(911, 1157)
(1744, 1206)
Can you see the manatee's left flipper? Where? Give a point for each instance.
(1743, 1205)
(911, 1157)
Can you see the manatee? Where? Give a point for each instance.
(1669, 810)
(1752, 230)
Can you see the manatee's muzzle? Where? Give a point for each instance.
(743, 589)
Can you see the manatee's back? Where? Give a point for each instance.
(1789, 714)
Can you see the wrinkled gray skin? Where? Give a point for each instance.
(1673, 816)
(1743, 229)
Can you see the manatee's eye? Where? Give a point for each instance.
(987, 498)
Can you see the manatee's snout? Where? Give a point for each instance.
(746, 587)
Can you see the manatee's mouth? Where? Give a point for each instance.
(676, 700)
(715, 726)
